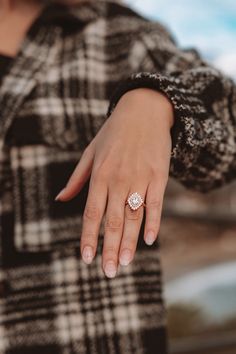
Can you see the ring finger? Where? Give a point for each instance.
(132, 225)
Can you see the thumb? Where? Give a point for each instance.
(79, 176)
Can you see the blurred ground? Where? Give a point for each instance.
(197, 229)
(188, 244)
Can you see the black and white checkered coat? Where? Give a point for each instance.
(71, 70)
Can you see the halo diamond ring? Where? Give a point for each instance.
(135, 201)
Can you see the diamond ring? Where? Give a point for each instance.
(135, 201)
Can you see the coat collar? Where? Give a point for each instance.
(84, 11)
(37, 51)
(31, 61)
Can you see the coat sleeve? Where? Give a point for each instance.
(204, 101)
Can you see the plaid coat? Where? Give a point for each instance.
(70, 72)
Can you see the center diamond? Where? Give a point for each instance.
(135, 201)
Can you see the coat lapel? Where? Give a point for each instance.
(32, 60)
(37, 52)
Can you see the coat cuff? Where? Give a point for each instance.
(180, 96)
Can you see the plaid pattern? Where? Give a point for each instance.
(204, 101)
(53, 101)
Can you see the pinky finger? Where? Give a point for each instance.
(154, 202)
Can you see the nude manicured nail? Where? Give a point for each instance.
(110, 269)
(87, 254)
(150, 238)
(125, 257)
(59, 195)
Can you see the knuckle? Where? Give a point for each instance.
(91, 213)
(154, 224)
(133, 214)
(89, 238)
(98, 175)
(154, 203)
(153, 170)
(153, 221)
(101, 165)
(121, 175)
(130, 242)
(160, 176)
(113, 223)
(121, 178)
(109, 252)
(102, 174)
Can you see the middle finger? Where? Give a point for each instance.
(114, 221)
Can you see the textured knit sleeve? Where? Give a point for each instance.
(204, 101)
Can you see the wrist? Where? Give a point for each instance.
(157, 100)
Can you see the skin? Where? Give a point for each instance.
(131, 152)
(15, 18)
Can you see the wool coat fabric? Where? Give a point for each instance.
(73, 66)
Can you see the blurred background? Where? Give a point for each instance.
(198, 233)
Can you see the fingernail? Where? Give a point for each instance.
(150, 238)
(125, 257)
(110, 269)
(59, 195)
(87, 254)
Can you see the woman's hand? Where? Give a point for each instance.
(130, 153)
